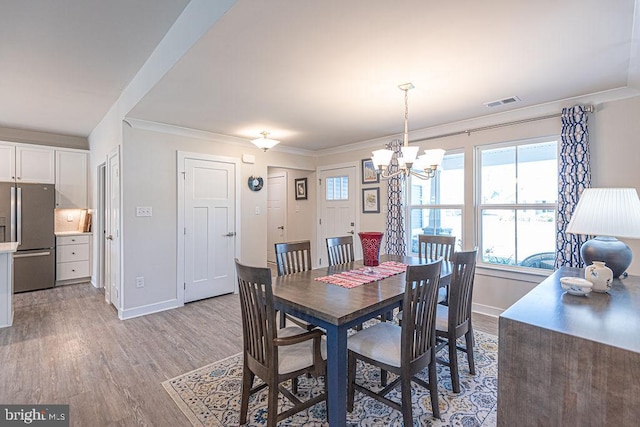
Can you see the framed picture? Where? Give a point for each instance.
(371, 200)
(369, 174)
(301, 189)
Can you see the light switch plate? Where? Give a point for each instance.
(143, 211)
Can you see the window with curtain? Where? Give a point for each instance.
(517, 203)
(435, 205)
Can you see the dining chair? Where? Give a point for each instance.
(340, 250)
(293, 257)
(433, 247)
(404, 350)
(273, 355)
(454, 320)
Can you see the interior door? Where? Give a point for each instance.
(209, 217)
(112, 227)
(276, 212)
(338, 208)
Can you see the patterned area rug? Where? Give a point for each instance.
(210, 396)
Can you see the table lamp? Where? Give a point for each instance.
(607, 213)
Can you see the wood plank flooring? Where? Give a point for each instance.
(68, 346)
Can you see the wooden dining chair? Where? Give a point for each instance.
(454, 320)
(404, 350)
(293, 257)
(340, 250)
(273, 355)
(432, 247)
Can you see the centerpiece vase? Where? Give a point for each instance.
(370, 241)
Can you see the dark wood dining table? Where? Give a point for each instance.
(336, 309)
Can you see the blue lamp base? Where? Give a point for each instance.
(615, 254)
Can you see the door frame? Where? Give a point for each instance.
(108, 265)
(321, 245)
(101, 176)
(180, 158)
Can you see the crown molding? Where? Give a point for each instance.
(208, 136)
(491, 119)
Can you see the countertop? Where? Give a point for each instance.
(611, 318)
(8, 247)
(71, 233)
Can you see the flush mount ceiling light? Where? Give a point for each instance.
(264, 142)
(409, 163)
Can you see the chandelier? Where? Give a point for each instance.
(409, 163)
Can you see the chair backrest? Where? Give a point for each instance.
(293, 257)
(419, 310)
(340, 250)
(436, 246)
(258, 315)
(461, 289)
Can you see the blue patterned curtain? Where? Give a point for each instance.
(395, 239)
(574, 177)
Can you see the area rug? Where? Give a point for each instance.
(210, 396)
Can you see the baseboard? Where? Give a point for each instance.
(487, 310)
(147, 309)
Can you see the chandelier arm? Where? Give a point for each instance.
(387, 175)
(426, 177)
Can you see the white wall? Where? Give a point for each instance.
(149, 178)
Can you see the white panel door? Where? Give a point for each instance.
(209, 228)
(112, 226)
(276, 213)
(337, 208)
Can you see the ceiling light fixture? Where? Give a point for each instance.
(408, 162)
(264, 142)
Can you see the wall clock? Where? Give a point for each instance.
(255, 183)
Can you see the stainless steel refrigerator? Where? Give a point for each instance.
(27, 217)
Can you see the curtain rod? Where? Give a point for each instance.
(587, 108)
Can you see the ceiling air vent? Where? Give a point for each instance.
(504, 101)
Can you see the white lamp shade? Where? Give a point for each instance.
(381, 158)
(432, 157)
(409, 154)
(265, 143)
(607, 212)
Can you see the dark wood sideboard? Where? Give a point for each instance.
(568, 360)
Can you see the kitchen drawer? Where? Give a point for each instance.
(70, 253)
(72, 270)
(72, 240)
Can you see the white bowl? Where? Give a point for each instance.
(576, 285)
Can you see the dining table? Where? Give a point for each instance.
(336, 309)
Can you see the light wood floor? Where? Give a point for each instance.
(67, 346)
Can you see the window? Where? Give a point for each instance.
(338, 188)
(517, 199)
(435, 205)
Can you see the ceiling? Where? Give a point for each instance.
(315, 74)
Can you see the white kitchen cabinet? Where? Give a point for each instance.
(35, 164)
(73, 258)
(7, 162)
(71, 179)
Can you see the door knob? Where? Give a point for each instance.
(230, 234)
(352, 232)
(109, 237)
(281, 227)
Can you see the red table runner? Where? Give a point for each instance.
(360, 276)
